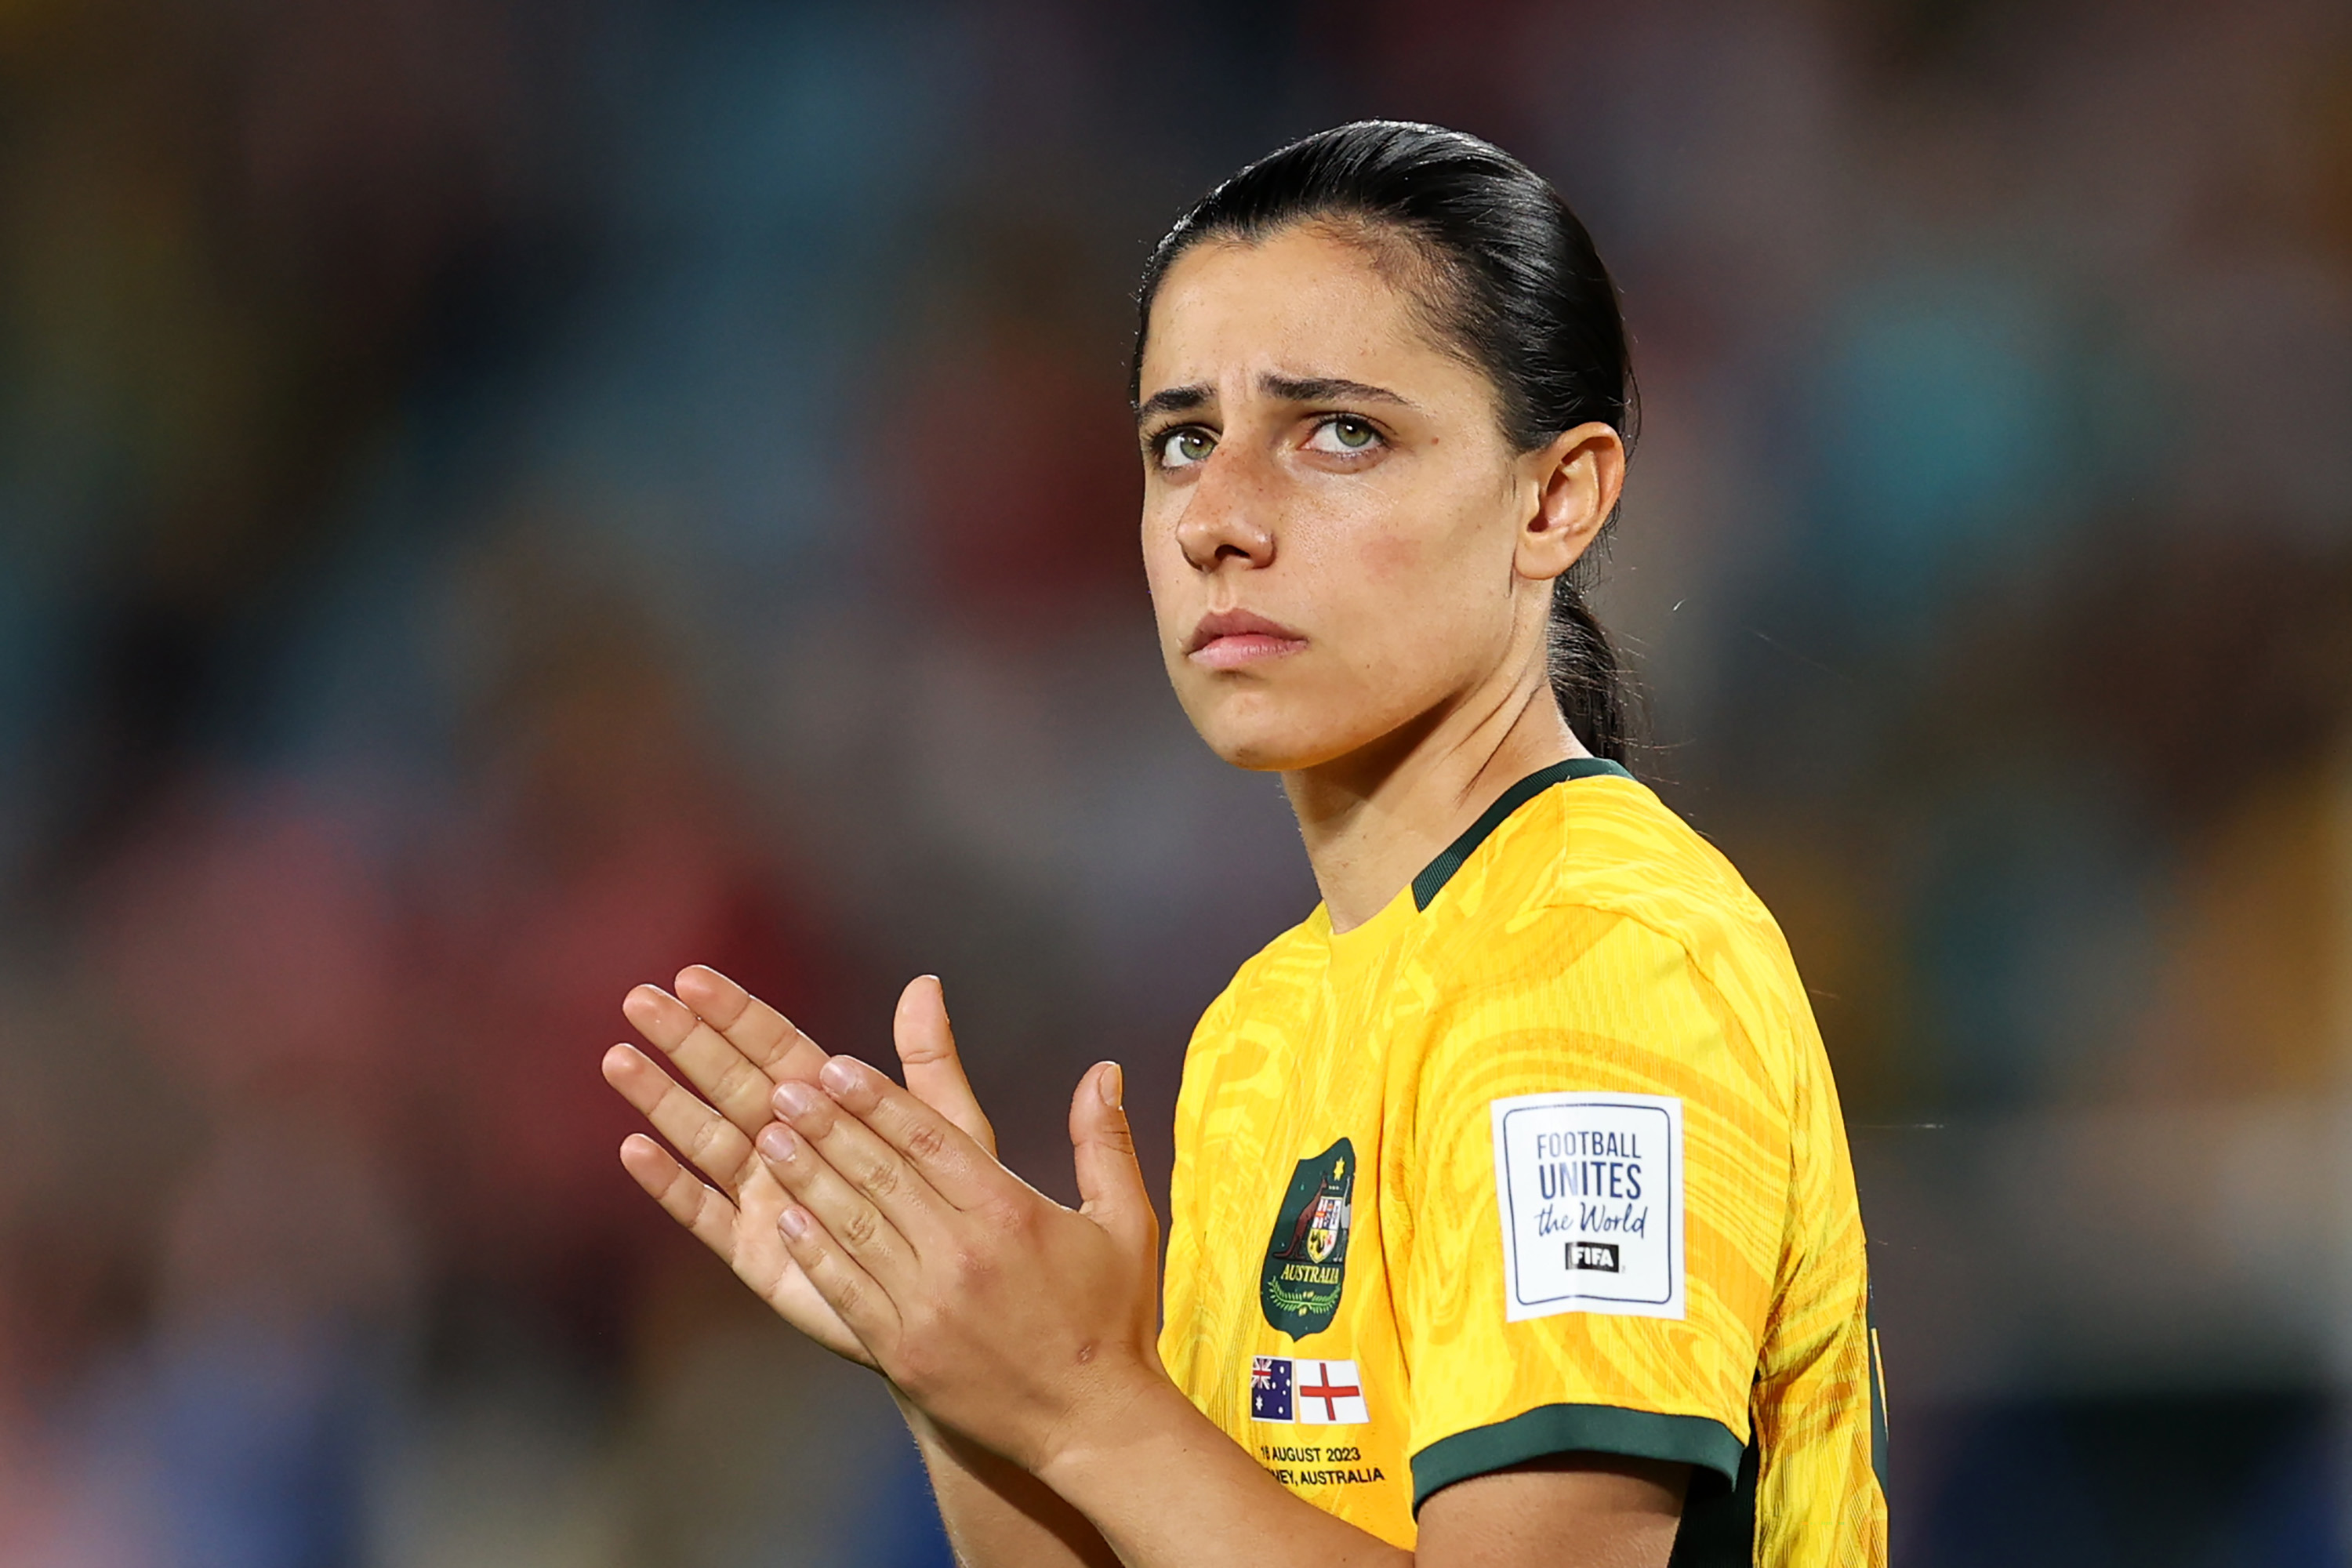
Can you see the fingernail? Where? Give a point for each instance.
(1111, 1086)
(793, 1097)
(792, 1223)
(838, 1075)
(779, 1142)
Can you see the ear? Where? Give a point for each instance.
(1575, 479)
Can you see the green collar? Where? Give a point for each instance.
(1440, 872)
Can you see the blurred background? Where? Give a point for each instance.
(499, 500)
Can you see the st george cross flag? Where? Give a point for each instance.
(1329, 1393)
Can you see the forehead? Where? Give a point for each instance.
(1304, 300)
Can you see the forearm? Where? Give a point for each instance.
(997, 1514)
(1167, 1489)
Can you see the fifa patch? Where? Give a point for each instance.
(1590, 1190)
(1306, 1393)
(1307, 1257)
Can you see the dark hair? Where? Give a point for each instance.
(1507, 277)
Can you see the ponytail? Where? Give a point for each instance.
(1588, 679)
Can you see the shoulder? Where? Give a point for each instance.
(1602, 870)
(1611, 844)
(1602, 928)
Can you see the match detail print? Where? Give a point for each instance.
(1590, 1189)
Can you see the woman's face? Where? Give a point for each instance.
(1335, 531)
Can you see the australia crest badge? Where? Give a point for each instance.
(1307, 1257)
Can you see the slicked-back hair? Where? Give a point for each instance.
(1503, 274)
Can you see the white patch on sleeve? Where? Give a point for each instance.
(1590, 1188)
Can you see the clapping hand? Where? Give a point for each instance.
(998, 1313)
(733, 1051)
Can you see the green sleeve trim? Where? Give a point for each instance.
(1440, 872)
(1550, 1429)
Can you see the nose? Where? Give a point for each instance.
(1226, 516)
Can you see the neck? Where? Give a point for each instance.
(1373, 818)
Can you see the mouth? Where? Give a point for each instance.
(1228, 639)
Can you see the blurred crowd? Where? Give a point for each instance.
(499, 500)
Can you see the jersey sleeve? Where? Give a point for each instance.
(1593, 1204)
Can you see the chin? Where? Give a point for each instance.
(1266, 741)
(1257, 755)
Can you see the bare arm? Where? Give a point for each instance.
(1581, 1511)
(997, 1514)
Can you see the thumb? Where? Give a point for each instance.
(927, 1052)
(1103, 1149)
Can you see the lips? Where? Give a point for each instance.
(1228, 639)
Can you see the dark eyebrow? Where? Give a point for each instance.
(1326, 389)
(1289, 388)
(1173, 400)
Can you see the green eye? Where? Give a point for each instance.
(1183, 448)
(1344, 435)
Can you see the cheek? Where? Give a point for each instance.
(1421, 605)
(1390, 556)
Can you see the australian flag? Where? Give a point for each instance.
(1270, 1388)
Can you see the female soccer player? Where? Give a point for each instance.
(1513, 1222)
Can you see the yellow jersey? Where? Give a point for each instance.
(1543, 1158)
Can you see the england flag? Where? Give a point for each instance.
(1328, 1393)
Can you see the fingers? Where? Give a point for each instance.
(767, 1039)
(700, 1210)
(716, 1147)
(748, 1240)
(947, 1159)
(734, 1082)
(720, 1073)
(927, 1054)
(1102, 1147)
(861, 1303)
(857, 1186)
